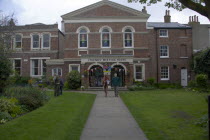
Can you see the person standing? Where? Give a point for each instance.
(105, 84)
(56, 85)
(61, 85)
(116, 83)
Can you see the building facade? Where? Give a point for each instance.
(106, 38)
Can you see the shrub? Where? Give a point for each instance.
(9, 105)
(31, 97)
(151, 81)
(192, 84)
(74, 80)
(201, 80)
(5, 116)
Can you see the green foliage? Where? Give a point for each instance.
(202, 121)
(192, 84)
(5, 71)
(201, 80)
(151, 81)
(66, 85)
(74, 80)
(5, 115)
(31, 97)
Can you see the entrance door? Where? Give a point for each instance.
(120, 73)
(96, 76)
(184, 77)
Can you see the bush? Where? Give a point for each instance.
(5, 116)
(201, 81)
(9, 105)
(31, 97)
(192, 84)
(151, 81)
(74, 80)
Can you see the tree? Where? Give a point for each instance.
(7, 25)
(200, 6)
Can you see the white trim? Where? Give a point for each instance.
(70, 68)
(143, 71)
(132, 35)
(110, 31)
(78, 31)
(82, 51)
(104, 20)
(121, 64)
(163, 36)
(41, 67)
(57, 71)
(14, 41)
(128, 50)
(42, 43)
(165, 79)
(167, 51)
(95, 64)
(35, 33)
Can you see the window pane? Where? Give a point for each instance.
(127, 30)
(139, 72)
(105, 39)
(17, 66)
(164, 73)
(163, 50)
(163, 32)
(83, 31)
(46, 40)
(35, 67)
(83, 40)
(74, 68)
(35, 41)
(128, 39)
(44, 70)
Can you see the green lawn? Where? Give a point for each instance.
(62, 118)
(168, 114)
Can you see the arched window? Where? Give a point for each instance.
(83, 38)
(128, 36)
(105, 37)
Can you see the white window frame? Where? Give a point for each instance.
(13, 65)
(110, 52)
(70, 68)
(32, 41)
(82, 51)
(14, 44)
(132, 36)
(163, 79)
(57, 71)
(78, 32)
(110, 38)
(128, 50)
(163, 35)
(143, 71)
(41, 67)
(42, 46)
(167, 51)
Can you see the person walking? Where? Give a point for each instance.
(61, 85)
(105, 84)
(116, 83)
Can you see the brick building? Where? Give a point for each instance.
(106, 38)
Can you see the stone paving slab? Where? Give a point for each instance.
(110, 119)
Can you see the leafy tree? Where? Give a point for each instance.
(200, 6)
(202, 62)
(74, 80)
(7, 25)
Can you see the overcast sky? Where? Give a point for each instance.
(49, 11)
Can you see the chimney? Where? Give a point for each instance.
(167, 17)
(144, 10)
(193, 20)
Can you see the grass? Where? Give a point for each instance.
(61, 118)
(168, 114)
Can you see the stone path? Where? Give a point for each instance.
(110, 119)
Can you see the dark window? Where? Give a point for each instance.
(105, 38)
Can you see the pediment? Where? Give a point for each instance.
(105, 9)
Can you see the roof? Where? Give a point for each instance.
(171, 25)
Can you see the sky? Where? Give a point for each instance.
(50, 11)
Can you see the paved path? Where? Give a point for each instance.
(110, 119)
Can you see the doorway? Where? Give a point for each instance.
(120, 73)
(96, 76)
(184, 77)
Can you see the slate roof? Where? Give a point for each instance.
(171, 25)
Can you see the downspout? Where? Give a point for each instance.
(157, 58)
